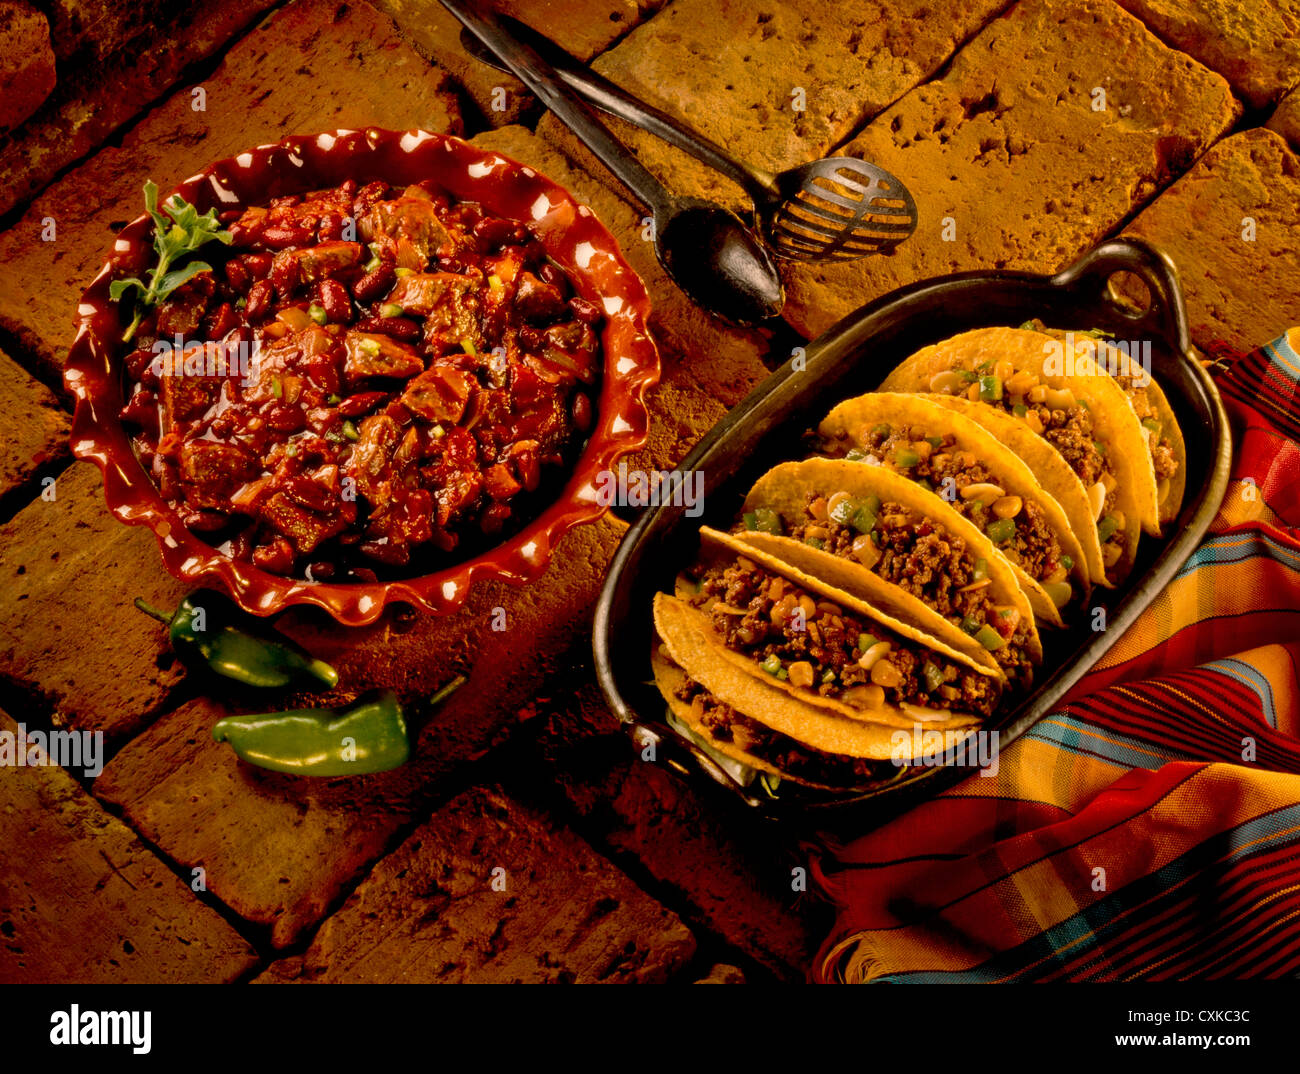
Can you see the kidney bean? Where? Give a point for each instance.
(330, 227)
(259, 300)
(141, 410)
(286, 200)
(138, 361)
(322, 571)
(494, 518)
(452, 264)
(203, 521)
(548, 273)
(586, 312)
(245, 233)
(582, 411)
(221, 321)
(285, 418)
(282, 236)
(374, 284)
(531, 338)
(258, 264)
(237, 276)
(367, 196)
(285, 275)
(402, 328)
(275, 557)
(361, 403)
(495, 231)
(335, 301)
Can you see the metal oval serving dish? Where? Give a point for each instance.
(853, 358)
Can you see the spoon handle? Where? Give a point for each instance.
(538, 75)
(609, 97)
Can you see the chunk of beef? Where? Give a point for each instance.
(371, 462)
(212, 471)
(370, 354)
(451, 303)
(439, 394)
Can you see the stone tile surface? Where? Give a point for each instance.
(1255, 45)
(488, 890)
(1011, 164)
(83, 901)
(1232, 228)
(69, 572)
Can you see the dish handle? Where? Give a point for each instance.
(1095, 274)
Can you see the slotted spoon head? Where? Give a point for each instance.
(838, 209)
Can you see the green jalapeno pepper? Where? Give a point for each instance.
(368, 736)
(203, 631)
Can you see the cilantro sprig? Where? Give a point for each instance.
(174, 240)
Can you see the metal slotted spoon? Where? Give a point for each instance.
(834, 209)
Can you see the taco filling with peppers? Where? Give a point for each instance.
(983, 481)
(1129, 366)
(1077, 409)
(724, 729)
(879, 536)
(818, 649)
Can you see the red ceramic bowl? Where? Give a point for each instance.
(573, 238)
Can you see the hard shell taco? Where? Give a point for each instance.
(880, 537)
(1080, 410)
(749, 719)
(983, 480)
(1165, 445)
(826, 647)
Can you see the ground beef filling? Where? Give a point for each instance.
(937, 463)
(725, 724)
(815, 645)
(1162, 453)
(1069, 430)
(920, 556)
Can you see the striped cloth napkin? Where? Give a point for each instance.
(1151, 827)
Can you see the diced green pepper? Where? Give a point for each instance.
(866, 641)
(350, 431)
(1067, 562)
(391, 309)
(1106, 528)
(1020, 410)
(906, 458)
(981, 570)
(931, 676)
(971, 625)
(863, 520)
(843, 511)
(317, 313)
(772, 664)
(989, 638)
(872, 504)
(763, 520)
(1001, 531)
(855, 454)
(815, 542)
(883, 429)
(990, 388)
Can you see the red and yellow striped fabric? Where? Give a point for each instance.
(1151, 827)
